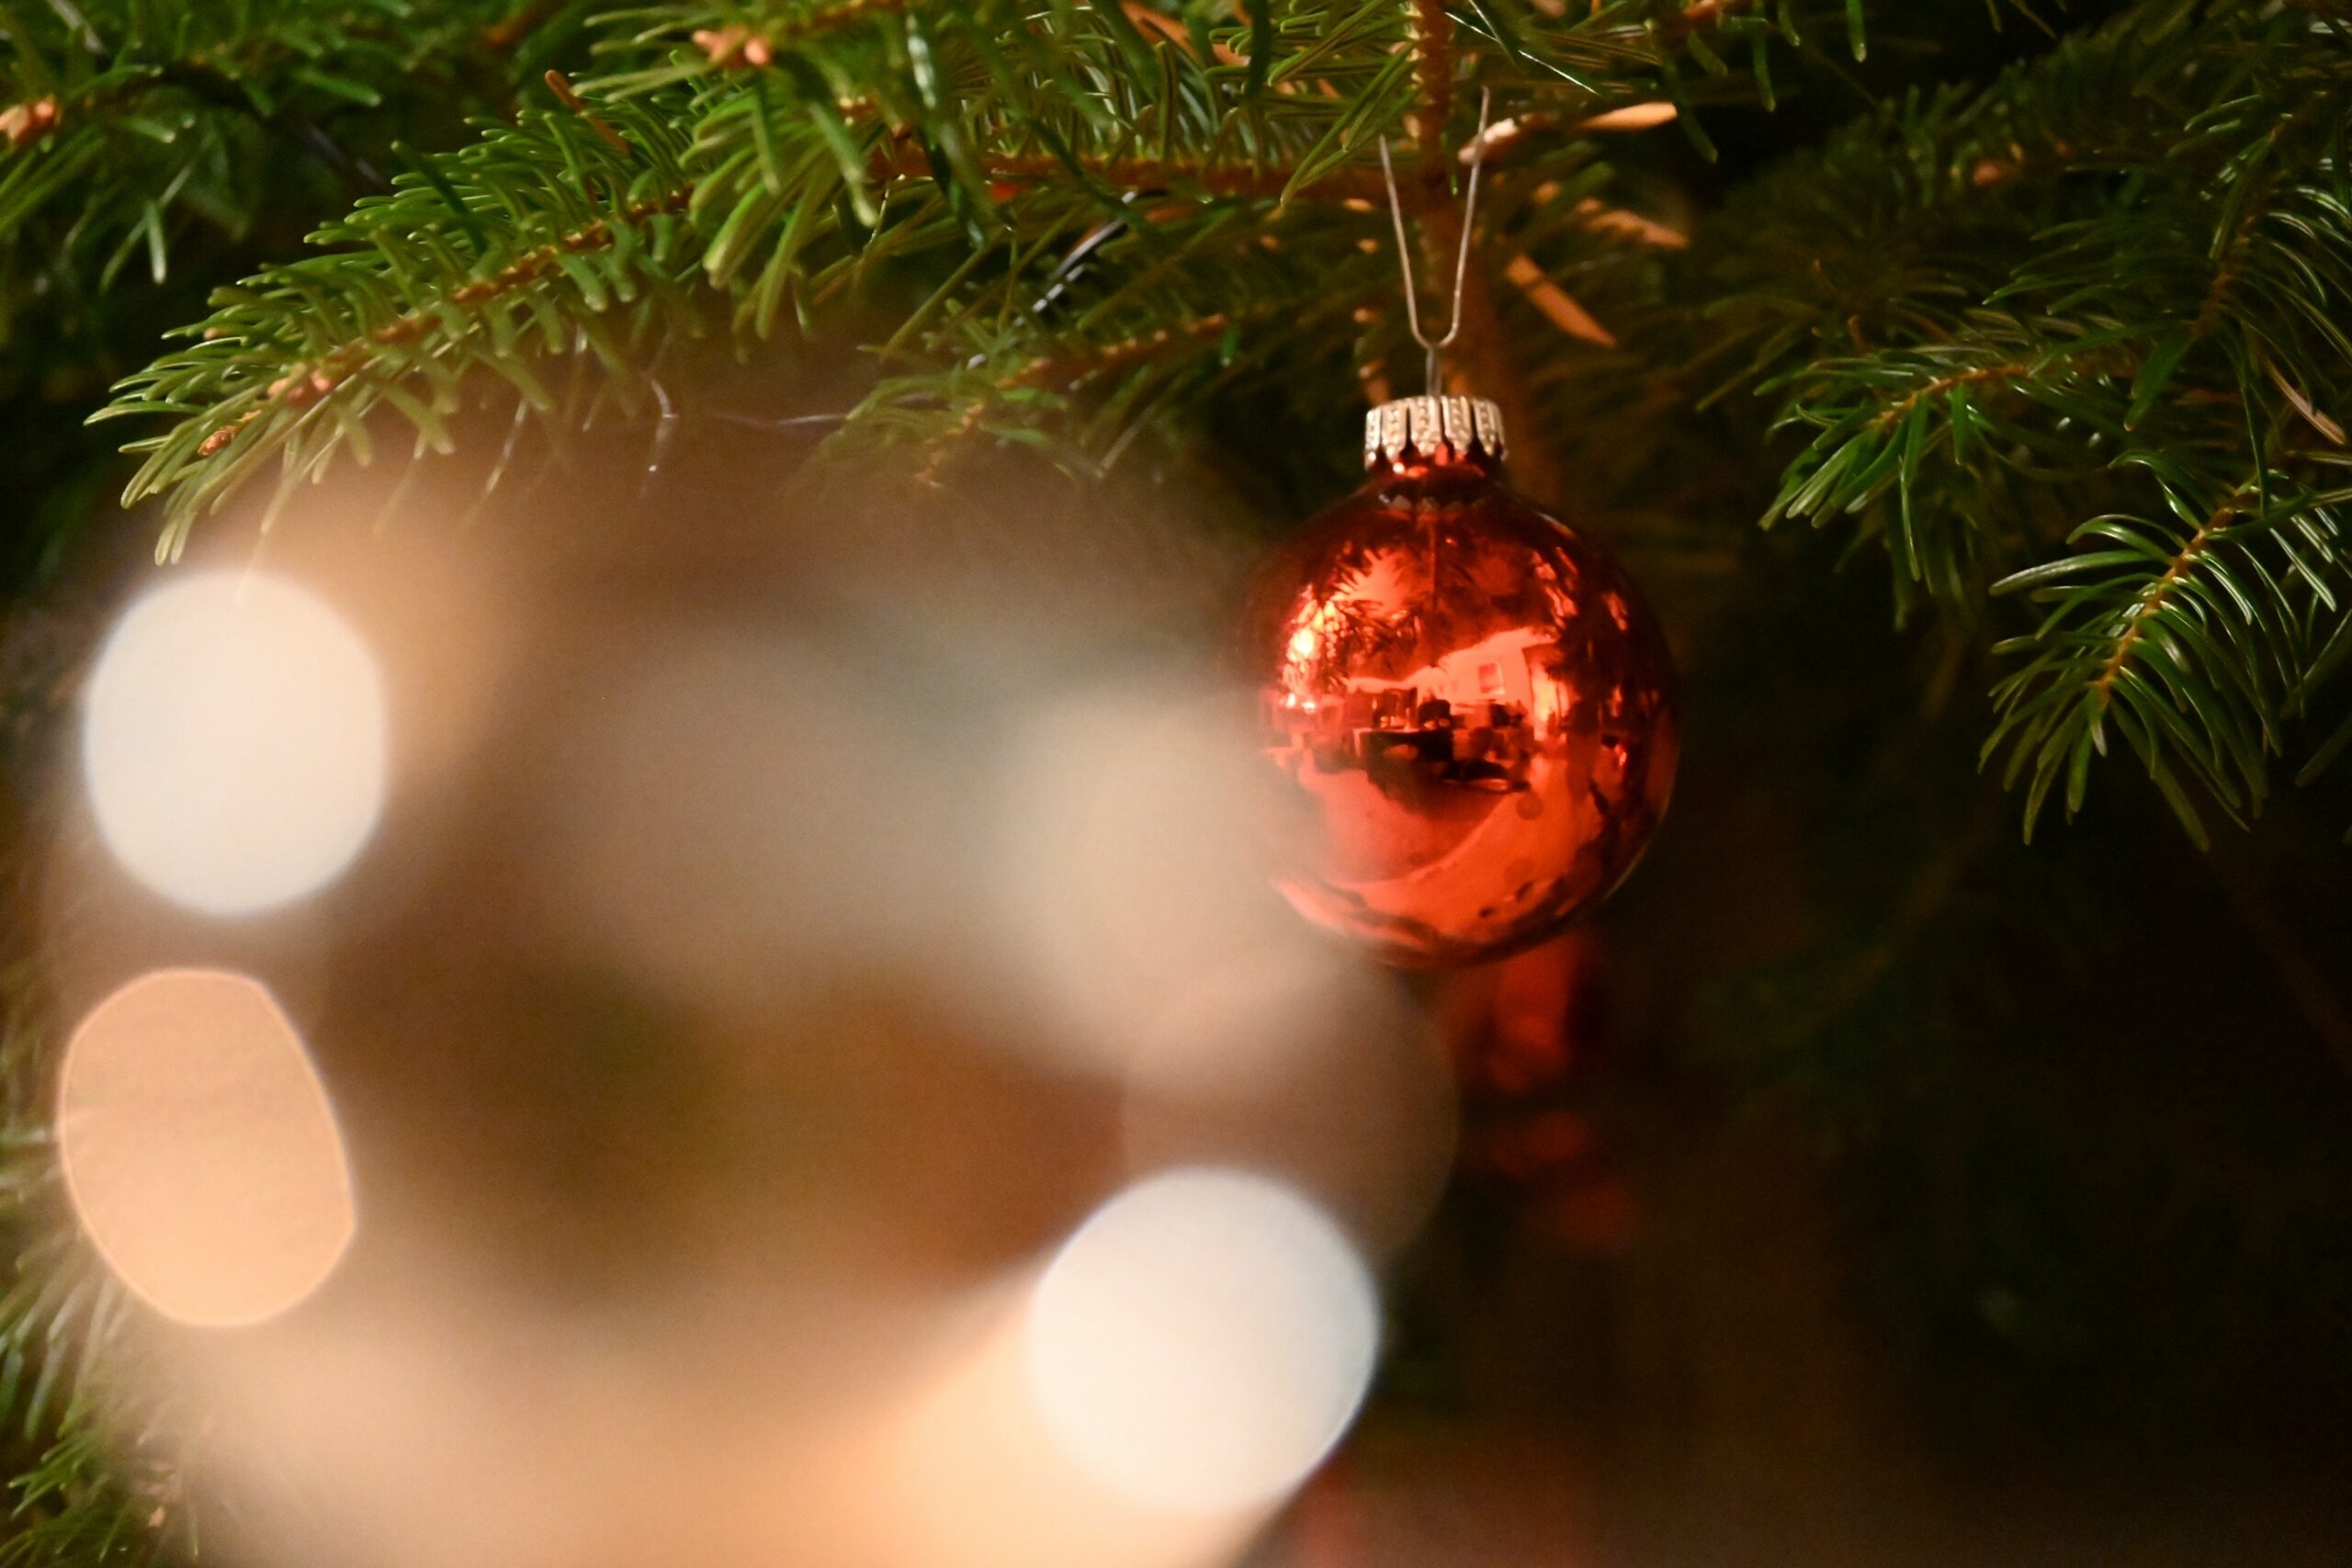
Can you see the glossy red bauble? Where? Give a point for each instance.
(1467, 710)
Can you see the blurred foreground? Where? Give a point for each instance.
(788, 1056)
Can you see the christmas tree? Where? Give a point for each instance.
(626, 929)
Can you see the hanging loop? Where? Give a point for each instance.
(1435, 347)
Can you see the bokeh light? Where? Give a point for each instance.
(200, 1152)
(1203, 1341)
(971, 1476)
(234, 742)
(1327, 1079)
(738, 808)
(1131, 878)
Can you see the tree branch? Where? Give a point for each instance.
(1145, 175)
(1433, 52)
(306, 383)
(1068, 369)
(2153, 598)
(1942, 384)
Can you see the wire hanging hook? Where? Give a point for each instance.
(1434, 382)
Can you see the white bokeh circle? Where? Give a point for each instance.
(1202, 1341)
(233, 742)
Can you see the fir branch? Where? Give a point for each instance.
(1985, 341)
(821, 142)
(137, 123)
(583, 227)
(2191, 638)
(939, 125)
(1278, 181)
(307, 381)
(1074, 369)
(74, 1512)
(1433, 69)
(2155, 596)
(64, 1345)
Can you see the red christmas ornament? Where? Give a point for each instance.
(1468, 710)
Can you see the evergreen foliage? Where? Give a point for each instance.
(149, 151)
(2070, 339)
(130, 122)
(2074, 339)
(61, 1319)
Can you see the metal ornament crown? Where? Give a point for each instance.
(1433, 430)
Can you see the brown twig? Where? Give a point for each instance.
(2330, 429)
(1064, 371)
(560, 85)
(1156, 174)
(1172, 29)
(1701, 15)
(1559, 305)
(28, 122)
(731, 47)
(1504, 136)
(1942, 384)
(2152, 597)
(2225, 277)
(1619, 223)
(305, 383)
(505, 35)
(738, 48)
(1433, 55)
(1068, 369)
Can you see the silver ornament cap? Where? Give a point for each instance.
(1433, 430)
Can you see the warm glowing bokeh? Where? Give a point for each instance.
(1133, 889)
(742, 809)
(234, 742)
(199, 1148)
(972, 1475)
(1326, 1078)
(1203, 1341)
(766, 972)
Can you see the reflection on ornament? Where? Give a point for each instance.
(1469, 709)
(233, 742)
(1201, 1342)
(199, 1151)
